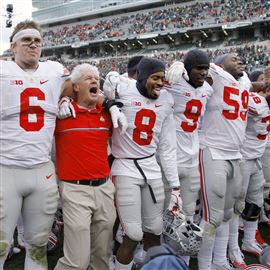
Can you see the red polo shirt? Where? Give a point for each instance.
(81, 144)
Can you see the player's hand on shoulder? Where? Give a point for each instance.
(111, 83)
(65, 108)
(176, 72)
(118, 119)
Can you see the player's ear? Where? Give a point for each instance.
(13, 47)
(76, 87)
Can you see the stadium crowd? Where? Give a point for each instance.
(254, 56)
(169, 18)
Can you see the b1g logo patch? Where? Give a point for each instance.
(257, 267)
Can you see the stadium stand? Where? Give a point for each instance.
(165, 29)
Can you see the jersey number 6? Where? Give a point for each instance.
(26, 109)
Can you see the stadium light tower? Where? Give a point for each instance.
(9, 15)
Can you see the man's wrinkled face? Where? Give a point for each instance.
(154, 84)
(87, 88)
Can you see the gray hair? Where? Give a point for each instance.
(77, 72)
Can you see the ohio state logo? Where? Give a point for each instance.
(257, 267)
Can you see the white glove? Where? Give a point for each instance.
(175, 72)
(175, 202)
(118, 119)
(111, 83)
(65, 108)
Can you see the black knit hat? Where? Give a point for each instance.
(148, 66)
(195, 58)
(145, 68)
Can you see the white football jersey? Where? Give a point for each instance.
(28, 109)
(258, 127)
(151, 126)
(189, 106)
(224, 122)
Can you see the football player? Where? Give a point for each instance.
(29, 105)
(221, 137)
(251, 196)
(139, 187)
(265, 215)
(253, 179)
(190, 97)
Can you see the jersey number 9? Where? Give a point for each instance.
(189, 113)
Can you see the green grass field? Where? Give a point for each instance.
(16, 262)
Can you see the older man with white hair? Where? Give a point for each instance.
(83, 169)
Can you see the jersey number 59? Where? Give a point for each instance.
(236, 112)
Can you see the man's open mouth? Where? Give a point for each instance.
(93, 90)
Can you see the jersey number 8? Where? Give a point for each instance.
(144, 122)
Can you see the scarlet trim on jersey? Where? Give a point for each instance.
(81, 144)
(253, 111)
(204, 195)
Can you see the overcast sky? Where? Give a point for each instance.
(22, 9)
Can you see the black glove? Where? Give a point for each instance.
(107, 104)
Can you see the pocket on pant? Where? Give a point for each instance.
(108, 189)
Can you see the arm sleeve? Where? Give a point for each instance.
(167, 151)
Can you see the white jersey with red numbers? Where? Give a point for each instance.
(189, 106)
(258, 127)
(151, 126)
(224, 122)
(29, 105)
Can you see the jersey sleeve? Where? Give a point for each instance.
(216, 70)
(256, 104)
(207, 90)
(245, 81)
(168, 152)
(122, 86)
